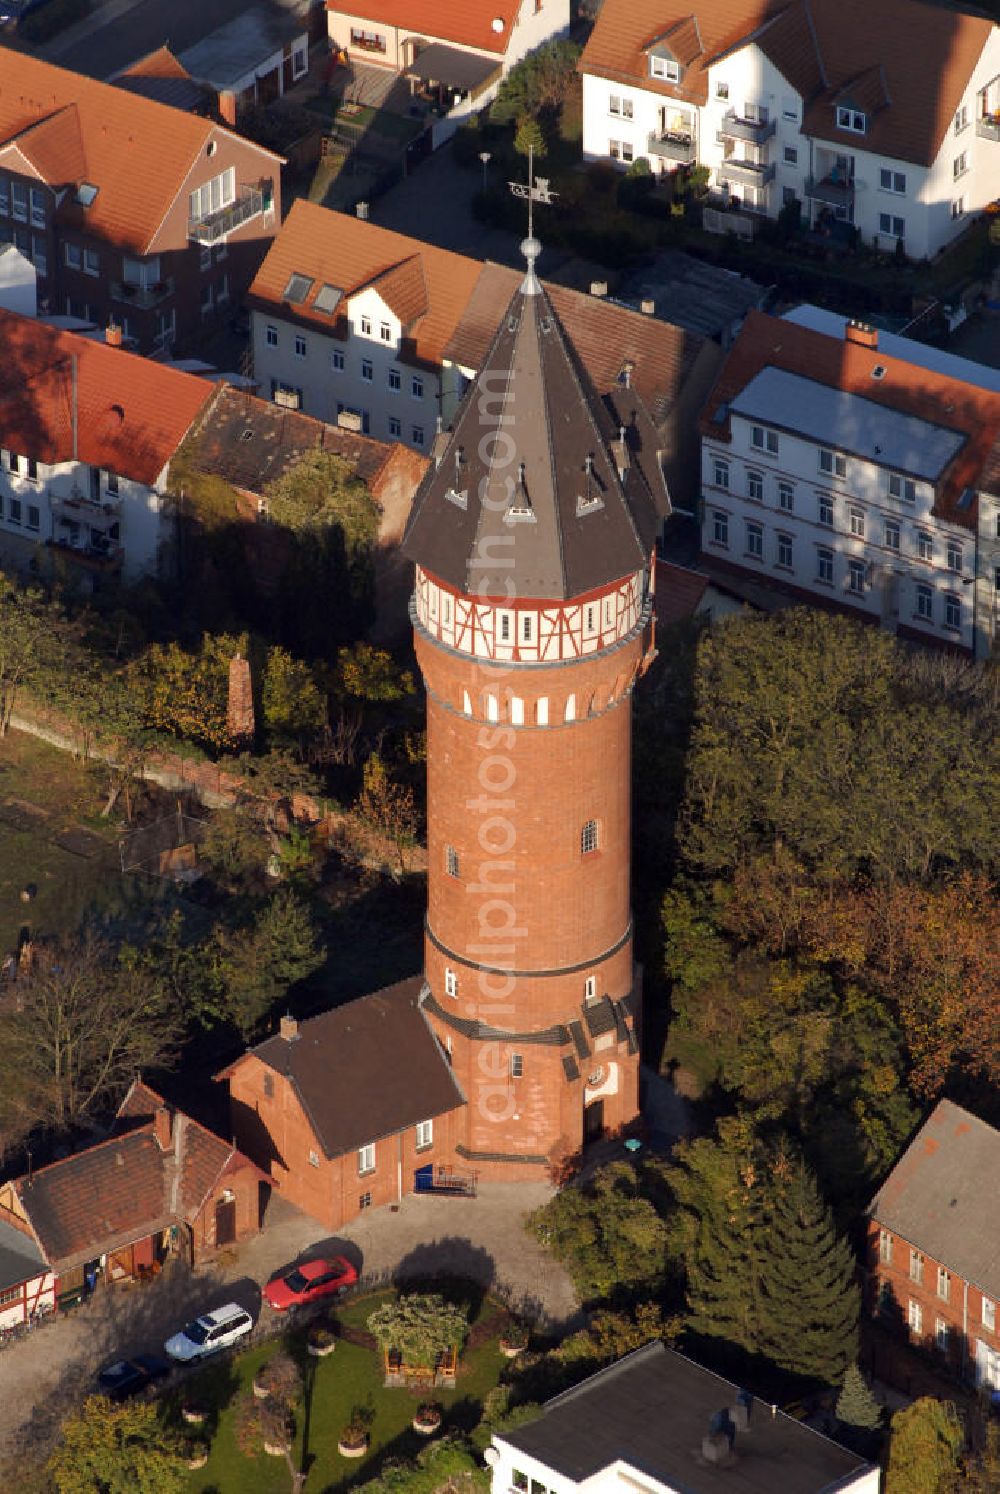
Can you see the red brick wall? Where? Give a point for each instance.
(244, 1183)
(512, 802)
(962, 1310)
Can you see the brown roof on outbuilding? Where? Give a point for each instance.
(531, 498)
(943, 1195)
(127, 1187)
(367, 1069)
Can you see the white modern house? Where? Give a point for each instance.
(87, 432)
(811, 101)
(841, 473)
(657, 1423)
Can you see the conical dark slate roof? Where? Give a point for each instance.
(534, 494)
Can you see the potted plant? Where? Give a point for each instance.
(420, 1327)
(513, 1340)
(355, 1439)
(428, 1418)
(277, 1427)
(320, 1340)
(279, 1378)
(195, 1453)
(194, 1413)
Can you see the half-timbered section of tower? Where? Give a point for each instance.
(533, 538)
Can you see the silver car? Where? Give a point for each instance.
(209, 1333)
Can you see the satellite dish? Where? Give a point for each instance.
(498, 23)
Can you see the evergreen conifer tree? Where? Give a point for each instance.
(856, 1406)
(809, 1302)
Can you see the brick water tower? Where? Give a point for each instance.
(533, 540)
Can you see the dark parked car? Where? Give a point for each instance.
(127, 1377)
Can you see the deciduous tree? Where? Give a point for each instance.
(926, 1448)
(126, 1449)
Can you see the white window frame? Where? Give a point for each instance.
(851, 119)
(271, 335)
(953, 611)
(824, 563)
(832, 463)
(925, 603)
(451, 984)
(784, 550)
(754, 539)
(366, 1159)
(857, 520)
(424, 1135)
(720, 528)
(721, 473)
(665, 69)
(892, 535)
(300, 345)
(915, 1318)
(988, 1314)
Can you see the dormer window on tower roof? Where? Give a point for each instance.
(590, 499)
(520, 511)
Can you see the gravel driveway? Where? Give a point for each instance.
(44, 1375)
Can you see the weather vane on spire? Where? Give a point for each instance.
(537, 189)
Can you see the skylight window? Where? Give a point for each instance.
(297, 289)
(328, 298)
(85, 194)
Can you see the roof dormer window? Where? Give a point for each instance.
(665, 68)
(298, 288)
(851, 119)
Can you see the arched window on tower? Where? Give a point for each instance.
(542, 710)
(451, 861)
(516, 711)
(492, 708)
(466, 703)
(588, 838)
(571, 708)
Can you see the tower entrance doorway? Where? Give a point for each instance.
(593, 1121)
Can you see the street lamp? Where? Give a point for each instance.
(484, 156)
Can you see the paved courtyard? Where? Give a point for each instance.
(43, 1375)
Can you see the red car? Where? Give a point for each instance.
(309, 1282)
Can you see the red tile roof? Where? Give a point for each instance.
(335, 249)
(829, 50)
(467, 23)
(160, 63)
(769, 342)
(132, 412)
(127, 1187)
(678, 592)
(137, 152)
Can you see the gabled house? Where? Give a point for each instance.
(27, 1286)
(933, 1259)
(250, 443)
(131, 211)
(344, 1108)
(856, 476)
(461, 50)
(161, 1184)
(807, 101)
(351, 322)
(658, 1423)
(87, 431)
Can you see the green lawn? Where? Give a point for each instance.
(36, 776)
(351, 1376)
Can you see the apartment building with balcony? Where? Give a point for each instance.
(932, 1267)
(132, 212)
(808, 101)
(842, 474)
(87, 432)
(352, 323)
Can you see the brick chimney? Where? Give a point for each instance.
(863, 333)
(162, 1127)
(289, 1028)
(227, 107)
(240, 715)
(113, 335)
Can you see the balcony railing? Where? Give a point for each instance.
(735, 128)
(747, 173)
(671, 145)
(142, 297)
(92, 557)
(838, 193)
(212, 227)
(80, 507)
(988, 127)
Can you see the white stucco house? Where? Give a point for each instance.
(657, 1423)
(87, 432)
(813, 101)
(857, 472)
(465, 49)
